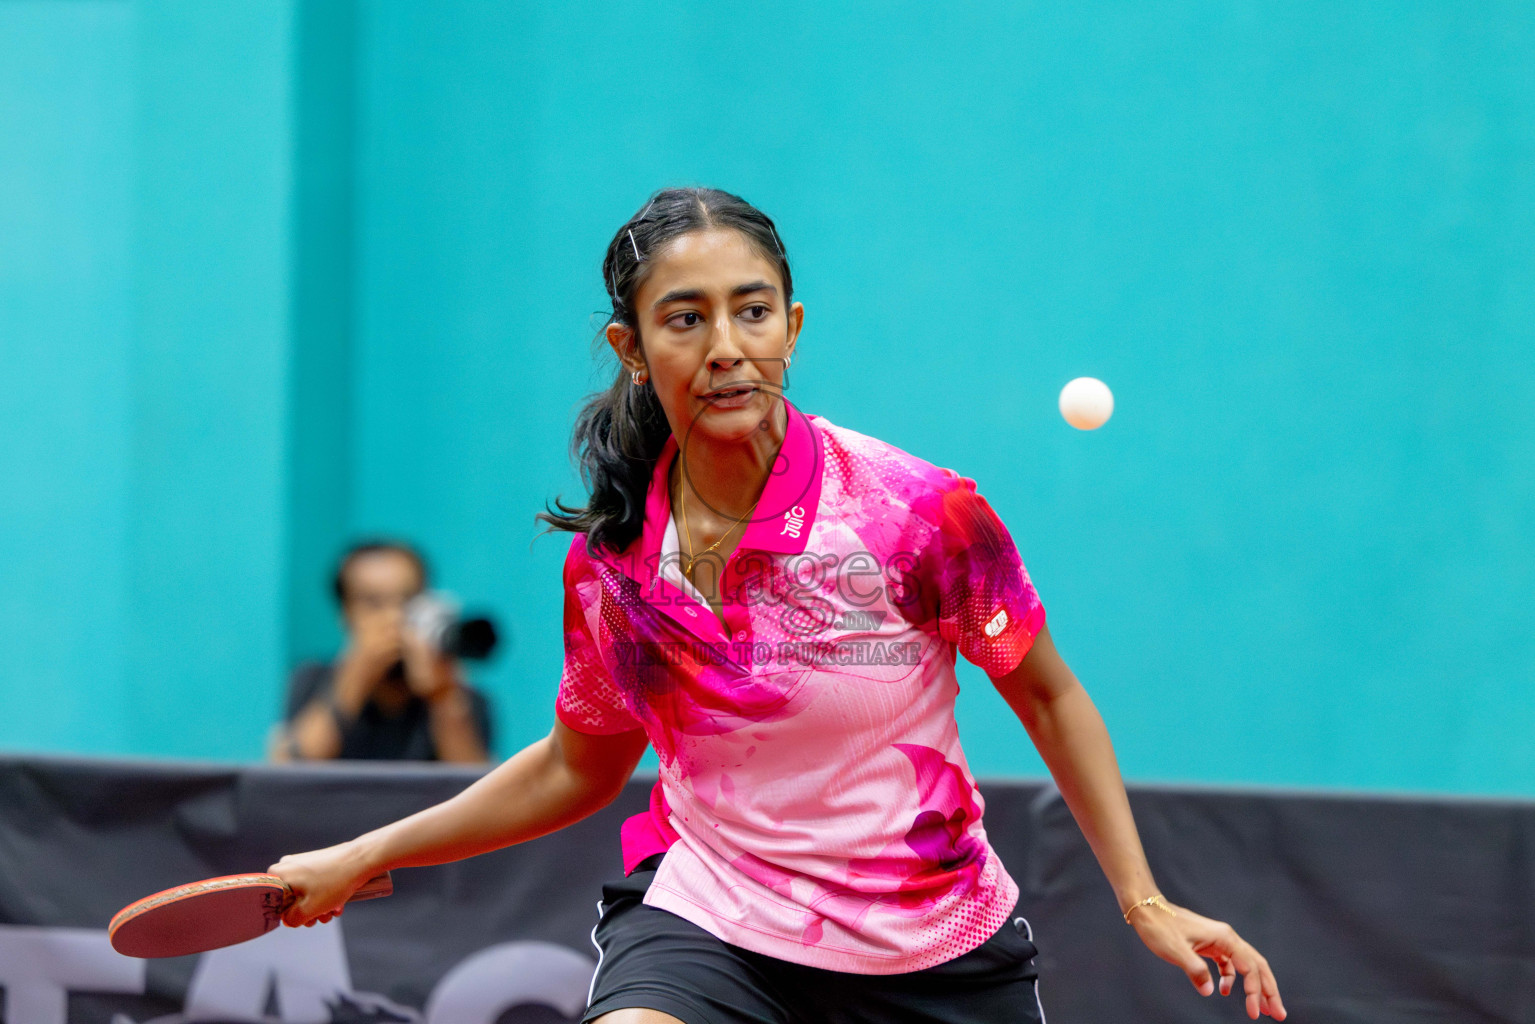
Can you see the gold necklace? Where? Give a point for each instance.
(682, 495)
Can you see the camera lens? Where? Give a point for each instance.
(471, 639)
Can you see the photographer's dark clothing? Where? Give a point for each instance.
(375, 735)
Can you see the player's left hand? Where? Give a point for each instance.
(1185, 938)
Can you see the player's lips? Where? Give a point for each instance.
(731, 396)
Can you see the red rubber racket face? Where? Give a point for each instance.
(199, 916)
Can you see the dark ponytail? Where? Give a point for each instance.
(620, 431)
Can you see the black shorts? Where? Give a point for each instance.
(651, 958)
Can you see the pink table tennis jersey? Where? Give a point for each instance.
(813, 801)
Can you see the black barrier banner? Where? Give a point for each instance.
(1369, 910)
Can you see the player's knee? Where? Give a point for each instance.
(637, 1016)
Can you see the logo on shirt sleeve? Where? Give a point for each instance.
(998, 622)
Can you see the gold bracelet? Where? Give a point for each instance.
(1150, 901)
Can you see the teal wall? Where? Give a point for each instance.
(289, 272)
(66, 351)
(143, 350)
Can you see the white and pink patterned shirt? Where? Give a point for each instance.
(813, 800)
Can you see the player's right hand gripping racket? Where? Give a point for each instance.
(212, 913)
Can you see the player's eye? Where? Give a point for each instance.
(689, 318)
(757, 312)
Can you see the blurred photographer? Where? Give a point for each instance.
(393, 693)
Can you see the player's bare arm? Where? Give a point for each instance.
(554, 782)
(1070, 735)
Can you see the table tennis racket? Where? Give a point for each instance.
(212, 913)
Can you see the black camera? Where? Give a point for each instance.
(435, 616)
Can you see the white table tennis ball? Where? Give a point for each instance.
(1087, 403)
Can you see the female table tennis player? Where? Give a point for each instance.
(775, 603)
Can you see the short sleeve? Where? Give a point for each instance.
(986, 604)
(588, 700)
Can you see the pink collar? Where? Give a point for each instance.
(784, 514)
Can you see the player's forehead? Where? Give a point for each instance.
(713, 263)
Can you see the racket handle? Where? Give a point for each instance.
(373, 888)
